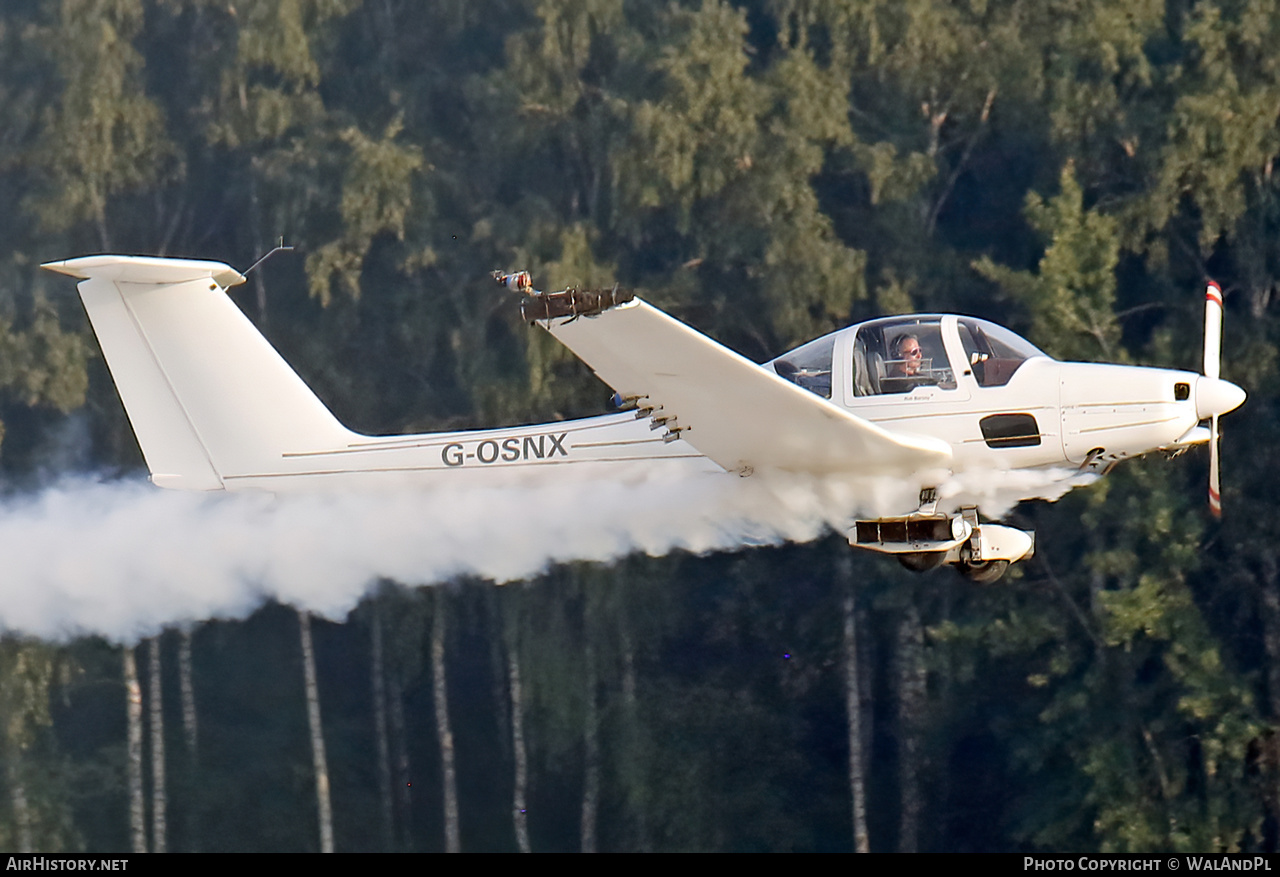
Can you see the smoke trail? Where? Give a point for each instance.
(995, 493)
(125, 559)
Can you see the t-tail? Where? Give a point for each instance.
(208, 397)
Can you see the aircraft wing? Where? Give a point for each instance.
(739, 414)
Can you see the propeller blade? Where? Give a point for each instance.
(1215, 490)
(1212, 369)
(1212, 330)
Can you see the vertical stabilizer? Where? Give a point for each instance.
(207, 395)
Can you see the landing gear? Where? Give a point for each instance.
(982, 572)
(921, 561)
(980, 552)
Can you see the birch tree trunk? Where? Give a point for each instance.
(631, 704)
(1270, 616)
(133, 711)
(519, 815)
(499, 677)
(380, 732)
(401, 760)
(186, 687)
(188, 694)
(452, 842)
(317, 734)
(911, 695)
(853, 706)
(159, 801)
(18, 797)
(591, 756)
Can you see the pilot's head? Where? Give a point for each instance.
(906, 354)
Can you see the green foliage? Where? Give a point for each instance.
(1072, 297)
(1222, 134)
(770, 170)
(103, 136)
(375, 200)
(29, 672)
(42, 364)
(269, 91)
(700, 136)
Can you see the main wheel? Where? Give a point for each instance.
(919, 561)
(983, 573)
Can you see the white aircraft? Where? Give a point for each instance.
(949, 410)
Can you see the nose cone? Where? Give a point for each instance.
(1215, 396)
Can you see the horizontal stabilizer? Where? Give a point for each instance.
(147, 269)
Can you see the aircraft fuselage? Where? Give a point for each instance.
(1045, 415)
(928, 419)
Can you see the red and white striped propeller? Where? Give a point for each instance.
(1212, 369)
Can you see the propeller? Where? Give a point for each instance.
(1212, 369)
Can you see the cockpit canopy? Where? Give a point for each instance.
(809, 365)
(993, 351)
(895, 355)
(898, 355)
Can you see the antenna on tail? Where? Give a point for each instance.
(279, 248)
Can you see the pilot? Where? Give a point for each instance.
(906, 356)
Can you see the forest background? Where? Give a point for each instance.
(768, 171)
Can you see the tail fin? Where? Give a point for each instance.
(207, 395)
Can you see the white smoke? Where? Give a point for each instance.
(996, 492)
(126, 559)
